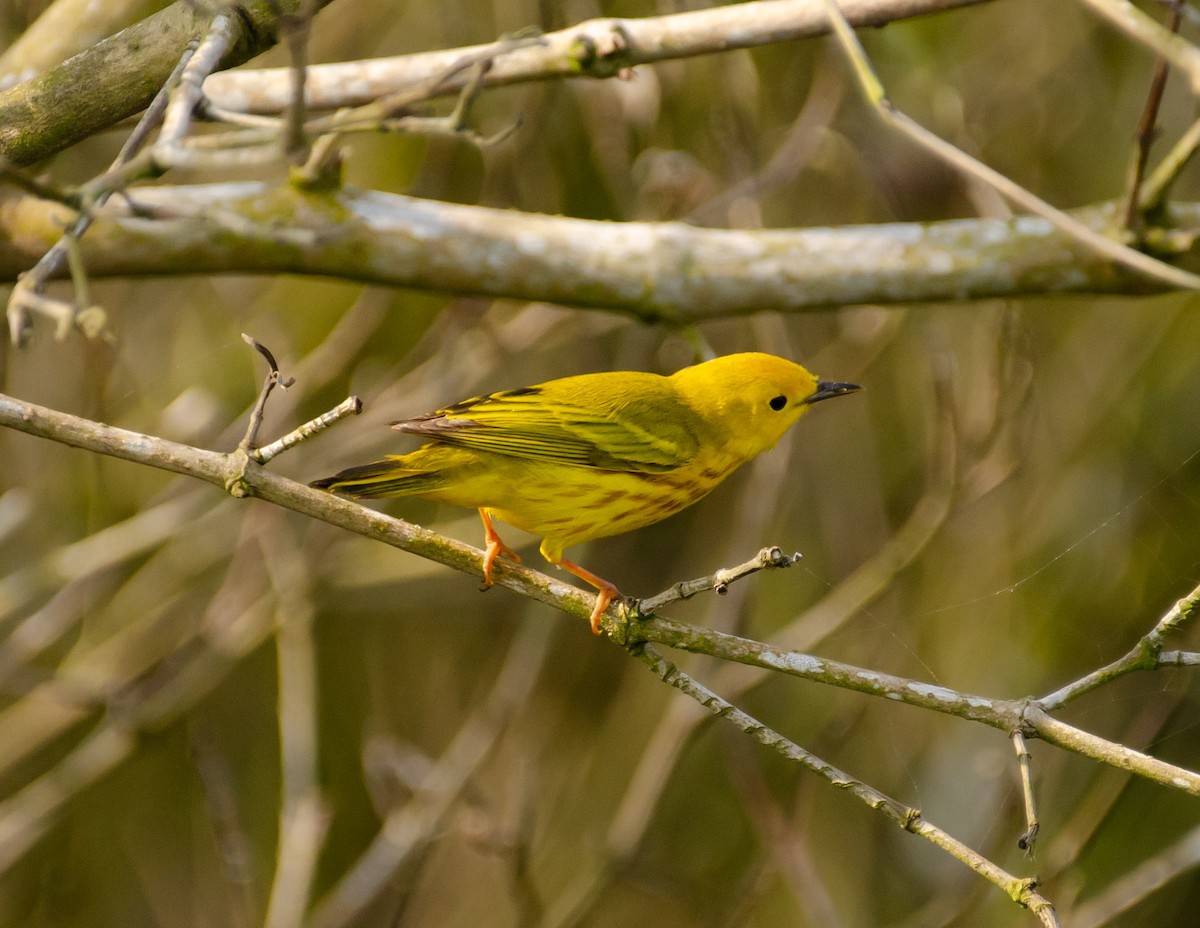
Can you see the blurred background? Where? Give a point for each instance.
(1011, 502)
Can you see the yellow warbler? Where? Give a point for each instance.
(595, 455)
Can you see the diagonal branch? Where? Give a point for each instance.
(872, 89)
(1141, 28)
(242, 477)
(1147, 654)
(1021, 891)
(1005, 714)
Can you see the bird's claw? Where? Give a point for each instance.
(496, 549)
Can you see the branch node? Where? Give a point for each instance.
(323, 170)
(605, 56)
(236, 484)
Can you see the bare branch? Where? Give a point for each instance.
(1147, 654)
(27, 294)
(655, 271)
(599, 48)
(766, 559)
(1138, 26)
(1024, 762)
(1007, 715)
(351, 406)
(1021, 891)
(241, 477)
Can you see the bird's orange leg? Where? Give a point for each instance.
(607, 592)
(495, 548)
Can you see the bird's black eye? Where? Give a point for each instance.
(778, 403)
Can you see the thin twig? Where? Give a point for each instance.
(351, 406)
(1021, 891)
(172, 148)
(296, 29)
(1024, 762)
(392, 111)
(1142, 28)
(766, 559)
(273, 378)
(1158, 185)
(189, 91)
(1147, 130)
(33, 281)
(1147, 654)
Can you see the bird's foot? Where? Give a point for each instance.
(496, 549)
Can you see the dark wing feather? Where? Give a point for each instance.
(389, 477)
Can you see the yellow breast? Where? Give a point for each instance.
(567, 505)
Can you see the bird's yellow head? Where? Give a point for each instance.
(753, 398)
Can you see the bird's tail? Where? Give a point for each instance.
(389, 477)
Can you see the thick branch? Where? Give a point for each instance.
(656, 271)
(119, 77)
(65, 28)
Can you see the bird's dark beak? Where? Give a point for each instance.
(826, 389)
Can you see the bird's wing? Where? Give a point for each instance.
(604, 422)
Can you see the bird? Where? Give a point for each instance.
(593, 455)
